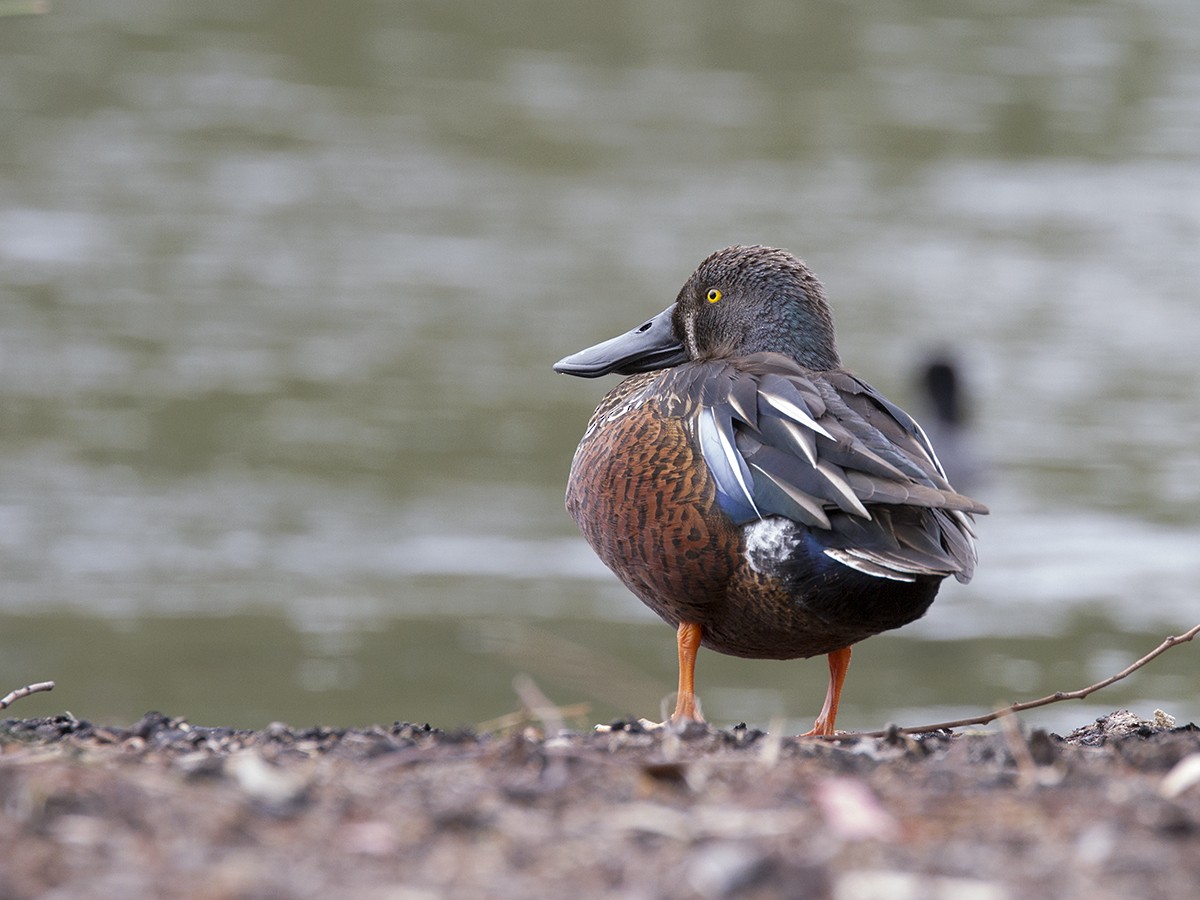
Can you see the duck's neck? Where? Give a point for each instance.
(806, 335)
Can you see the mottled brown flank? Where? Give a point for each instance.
(646, 504)
(649, 510)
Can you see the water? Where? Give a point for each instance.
(280, 286)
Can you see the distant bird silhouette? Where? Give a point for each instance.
(752, 492)
(946, 420)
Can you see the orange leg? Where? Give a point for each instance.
(839, 664)
(686, 706)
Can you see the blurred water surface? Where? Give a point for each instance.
(280, 285)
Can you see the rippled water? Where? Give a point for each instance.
(280, 285)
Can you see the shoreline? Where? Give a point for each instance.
(164, 808)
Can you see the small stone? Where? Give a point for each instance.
(279, 790)
(895, 885)
(1185, 775)
(726, 868)
(853, 812)
(1163, 720)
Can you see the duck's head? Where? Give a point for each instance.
(741, 300)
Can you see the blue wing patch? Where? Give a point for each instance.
(730, 472)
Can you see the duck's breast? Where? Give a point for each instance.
(644, 500)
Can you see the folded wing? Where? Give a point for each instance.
(829, 452)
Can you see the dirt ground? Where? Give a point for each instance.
(166, 809)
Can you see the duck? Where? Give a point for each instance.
(761, 499)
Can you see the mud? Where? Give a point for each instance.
(168, 809)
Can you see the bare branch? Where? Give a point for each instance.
(16, 695)
(1033, 704)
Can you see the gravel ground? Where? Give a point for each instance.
(167, 809)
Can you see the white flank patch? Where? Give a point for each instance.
(769, 541)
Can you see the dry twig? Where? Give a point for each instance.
(523, 716)
(541, 706)
(16, 695)
(1034, 704)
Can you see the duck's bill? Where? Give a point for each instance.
(652, 345)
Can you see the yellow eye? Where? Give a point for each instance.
(713, 295)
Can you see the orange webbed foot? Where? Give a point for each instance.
(687, 704)
(839, 664)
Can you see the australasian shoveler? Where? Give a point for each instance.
(751, 491)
